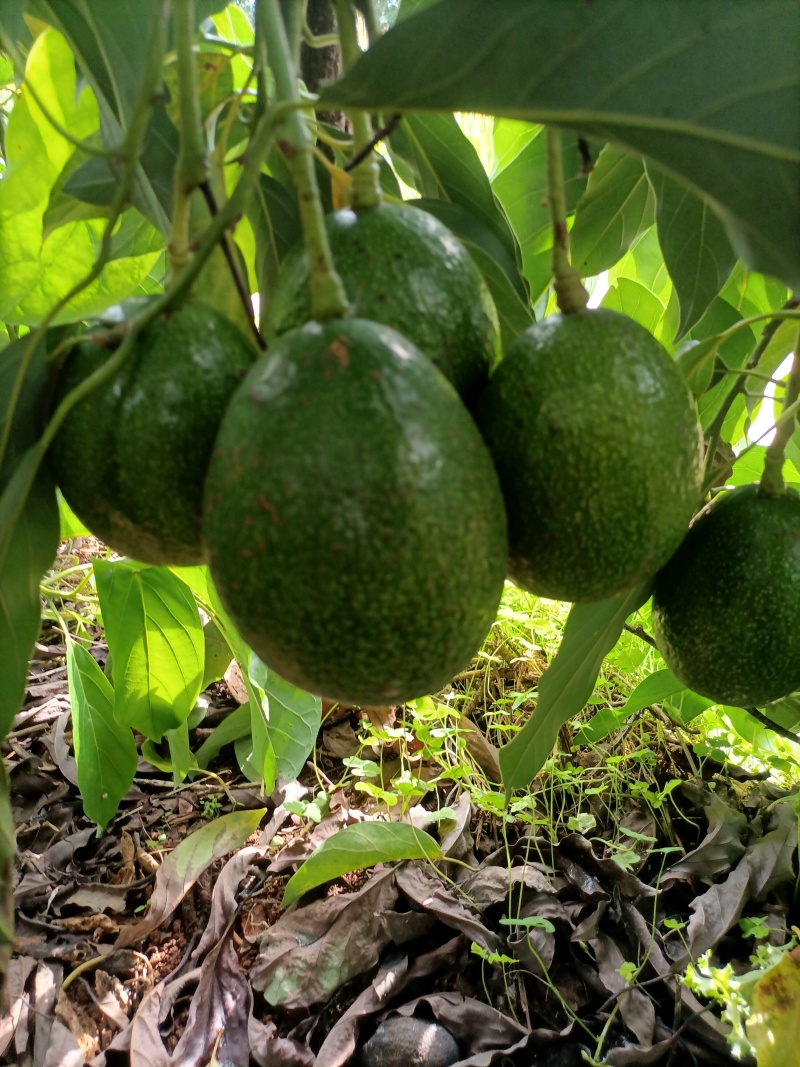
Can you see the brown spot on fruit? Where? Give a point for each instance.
(266, 505)
(338, 349)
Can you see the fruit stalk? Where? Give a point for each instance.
(772, 483)
(328, 298)
(366, 188)
(191, 168)
(571, 296)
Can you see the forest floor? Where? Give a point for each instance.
(557, 931)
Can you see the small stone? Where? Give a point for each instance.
(409, 1042)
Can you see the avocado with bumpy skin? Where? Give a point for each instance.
(355, 525)
(726, 608)
(599, 452)
(404, 268)
(131, 457)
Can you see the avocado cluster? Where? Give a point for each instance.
(362, 490)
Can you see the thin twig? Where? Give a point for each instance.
(641, 633)
(391, 125)
(227, 251)
(769, 331)
(774, 726)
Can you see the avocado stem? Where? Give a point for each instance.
(772, 483)
(191, 168)
(571, 296)
(365, 191)
(328, 297)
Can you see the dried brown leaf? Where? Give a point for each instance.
(309, 953)
(184, 865)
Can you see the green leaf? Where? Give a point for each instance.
(708, 90)
(696, 248)
(28, 543)
(615, 209)
(653, 690)
(29, 519)
(521, 188)
(232, 728)
(633, 299)
(291, 718)
(275, 219)
(29, 411)
(686, 705)
(110, 42)
(36, 268)
(155, 638)
(592, 630)
(449, 168)
(70, 525)
(500, 272)
(355, 847)
(217, 655)
(180, 753)
(105, 751)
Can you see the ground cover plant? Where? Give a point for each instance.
(320, 320)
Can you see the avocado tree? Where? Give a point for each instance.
(163, 161)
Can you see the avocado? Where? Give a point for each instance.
(402, 267)
(599, 452)
(131, 457)
(354, 521)
(726, 607)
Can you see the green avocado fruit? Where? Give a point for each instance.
(726, 608)
(401, 267)
(131, 457)
(598, 448)
(354, 521)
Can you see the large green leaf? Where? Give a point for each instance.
(500, 271)
(591, 632)
(708, 90)
(448, 167)
(638, 303)
(615, 209)
(696, 248)
(28, 543)
(35, 269)
(110, 42)
(155, 638)
(105, 751)
(355, 847)
(29, 522)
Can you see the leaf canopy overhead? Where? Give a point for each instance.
(708, 90)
